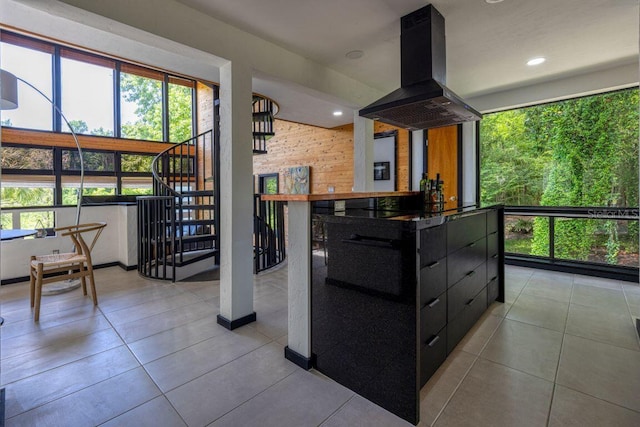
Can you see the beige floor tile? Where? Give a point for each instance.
(93, 405)
(631, 288)
(142, 328)
(358, 411)
(302, 399)
(152, 308)
(553, 276)
(525, 347)
(155, 413)
(499, 309)
(271, 302)
(231, 385)
(60, 353)
(549, 287)
(601, 370)
(176, 339)
(574, 409)
(49, 336)
(495, 395)
(283, 340)
(603, 298)
(478, 336)
(597, 282)
(611, 327)
(634, 303)
(273, 325)
(438, 390)
(127, 298)
(539, 311)
(55, 383)
(185, 365)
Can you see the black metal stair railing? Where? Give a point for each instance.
(178, 224)
(268, 234)
(263, 110)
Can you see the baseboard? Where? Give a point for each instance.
(638, 326)
(233, 324)
(127, 267)
(1, 407)
(305, 363)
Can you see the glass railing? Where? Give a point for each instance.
(597, 236)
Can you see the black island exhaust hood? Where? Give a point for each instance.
(423, 101)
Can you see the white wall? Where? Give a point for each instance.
(116, 244)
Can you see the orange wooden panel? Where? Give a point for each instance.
(442, 157)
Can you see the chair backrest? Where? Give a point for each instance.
(76, 233)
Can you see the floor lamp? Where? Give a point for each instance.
(9, 101)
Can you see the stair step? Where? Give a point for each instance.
(267, 135)
(260, 151)
(259, 116)
(194, 207)
(193, 256)
(191, 222)
(193, 193)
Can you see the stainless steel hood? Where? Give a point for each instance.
(423, 100)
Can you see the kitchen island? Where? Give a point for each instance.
(390, 291)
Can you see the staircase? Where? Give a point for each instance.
(177, 226)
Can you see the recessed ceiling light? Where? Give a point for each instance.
(536, 61)
(355, 54)
(337, 113)
(493, 1)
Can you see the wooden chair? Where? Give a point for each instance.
(58, 267)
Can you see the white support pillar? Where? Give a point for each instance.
(362, 153)
(299, 263)
(236, 204)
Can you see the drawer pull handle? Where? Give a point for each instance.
(377, 242)
(433, 264)
(494, 256)
(471, 273)
(493, 232)
(433, 341)
(472, 244)
(494, 278)
(471, 301)
(433, 303)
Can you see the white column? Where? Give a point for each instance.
(299, 265)
(236, 204)
(362, 153)
(469, 159)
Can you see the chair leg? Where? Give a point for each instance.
(83, 279)
(32, 281)
(93, 283)
(38, 292)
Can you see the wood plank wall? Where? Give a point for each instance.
(329, 152)
(204, 111)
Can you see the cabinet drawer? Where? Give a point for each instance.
(463, 293)
(433, 316)
(493, 291)
(433, 352)
(492, 221)
(459, 327)
(432, 244)
(462, 262)
(492, 244)
(433, 281)
(465, 230)
(492, 268)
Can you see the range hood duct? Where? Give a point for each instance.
(423, 101)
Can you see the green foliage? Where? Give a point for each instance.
(522, 226)
(580, 152)
(146, 94)
(21, 196)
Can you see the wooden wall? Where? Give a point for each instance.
(329, 152)
(204, 111)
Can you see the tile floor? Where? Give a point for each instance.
(561, 351)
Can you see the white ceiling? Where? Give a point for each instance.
(487, 44)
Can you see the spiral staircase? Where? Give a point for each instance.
(178, 225)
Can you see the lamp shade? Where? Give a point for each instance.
(8, 91)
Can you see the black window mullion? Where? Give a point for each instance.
(57, 90)
(165, 109)
(118, 171)
(117, 121)
(57, 170)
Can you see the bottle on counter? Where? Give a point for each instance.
(424, 191)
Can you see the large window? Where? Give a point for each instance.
(87, 92)
(579, 154)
